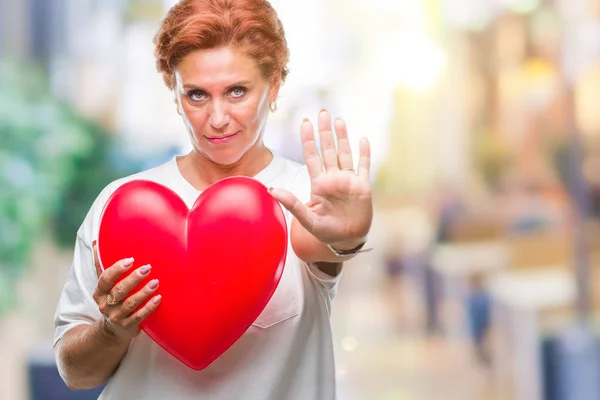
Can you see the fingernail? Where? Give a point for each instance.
(153, 284)
(128, 262)
(145, 269)
(323, 110)
(156, 300)
(304, 120)
(94, 243)
(270, 189)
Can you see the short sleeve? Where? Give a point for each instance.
(76, 305)
(328, 282)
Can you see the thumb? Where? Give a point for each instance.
(295, 206)
(96, 258)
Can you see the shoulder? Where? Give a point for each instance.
(294, 177)
(89, 227)
(158, 174)
(286, 167)
(292, 171)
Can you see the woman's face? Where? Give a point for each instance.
(224, 101)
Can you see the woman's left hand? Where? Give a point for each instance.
(340, 209)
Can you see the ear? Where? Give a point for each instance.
(274, 89)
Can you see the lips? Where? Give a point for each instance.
(221, 139)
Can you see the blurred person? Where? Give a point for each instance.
(450, 209)
(479, 316)
(393, 292)
(431, 295)
(225, 61)
(394, 266)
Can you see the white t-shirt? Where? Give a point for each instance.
(287, 353)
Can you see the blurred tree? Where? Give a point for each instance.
(91, 172)
(53, 164)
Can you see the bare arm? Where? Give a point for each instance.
(88, 355)
(310, 249)
(340, 210)
(331, 269)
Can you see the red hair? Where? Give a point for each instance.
(249, 25)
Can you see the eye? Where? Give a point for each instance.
(196, 95)
(238, 92)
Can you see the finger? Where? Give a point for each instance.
(364, 162)
(109, 276)
(145, 311)
(295, 206)
(122, 289)
(309, 149)
(132, 302)
(328, 151)
(96, 259)
(344, 150)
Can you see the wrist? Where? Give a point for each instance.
(347, 250)
(111, 332)
(349, 245)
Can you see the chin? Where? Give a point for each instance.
(223, 157)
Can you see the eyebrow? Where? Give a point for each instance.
(191, 86)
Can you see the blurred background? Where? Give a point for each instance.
(485, 130)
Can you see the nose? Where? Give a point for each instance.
(219, 115)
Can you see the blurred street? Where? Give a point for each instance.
(485, 136)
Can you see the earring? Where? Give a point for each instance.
(273, 106)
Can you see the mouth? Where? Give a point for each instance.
(221, 139)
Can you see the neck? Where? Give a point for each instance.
(201, 171)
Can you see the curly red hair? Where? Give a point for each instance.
(250, 25)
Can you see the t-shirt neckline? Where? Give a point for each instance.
(265, 176)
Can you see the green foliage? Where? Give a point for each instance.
(93, 171)
(53, 163)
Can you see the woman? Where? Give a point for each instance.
(225, 61)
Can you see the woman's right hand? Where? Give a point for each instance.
(116, 303)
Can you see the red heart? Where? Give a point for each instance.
(218, 264)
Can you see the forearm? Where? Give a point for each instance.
(307, 247)
(331, 269)
(88, 355)
(310, 249)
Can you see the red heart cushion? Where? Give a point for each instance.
(218, 264)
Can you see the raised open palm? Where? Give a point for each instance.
(340, 209)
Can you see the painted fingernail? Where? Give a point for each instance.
(145, 269)
(153, 284)
(94, 243)
(156, 300)
(128, 262)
